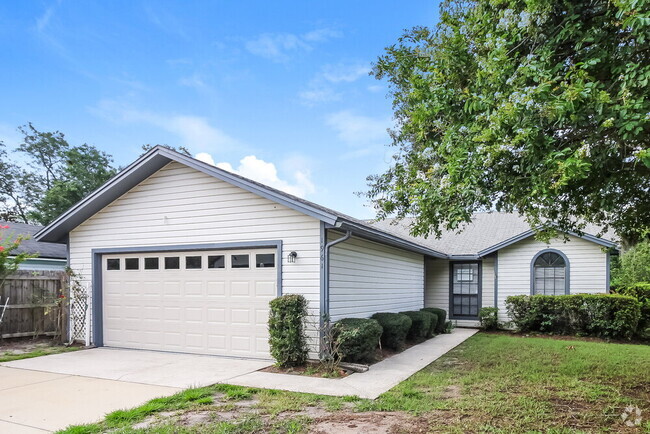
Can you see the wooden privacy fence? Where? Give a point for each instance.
(35, 304)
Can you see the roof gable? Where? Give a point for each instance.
(158, 157)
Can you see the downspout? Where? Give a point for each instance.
(326, 270)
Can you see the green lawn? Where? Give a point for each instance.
(490, 383)
(9, 356)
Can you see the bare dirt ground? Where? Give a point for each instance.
(24, 345)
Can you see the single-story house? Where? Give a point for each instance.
(50, 256)
(182, 256)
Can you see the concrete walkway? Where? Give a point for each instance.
(39, 402)
(49, 393)
(156, 368)
(380, 378)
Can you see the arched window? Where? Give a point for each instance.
(550, 273)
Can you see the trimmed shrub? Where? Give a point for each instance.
(433, 326)
(633, 266)
(442, 317)
(396, 326)
(287, 330)
(357, 338)
(489, 318)
(420, 324)
(640, 291)
(601, 315)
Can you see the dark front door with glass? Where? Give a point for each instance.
(465, 292)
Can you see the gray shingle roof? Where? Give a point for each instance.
(43, 249)
(486, 230)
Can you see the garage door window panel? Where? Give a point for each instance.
(151, 263)
(216, 261)
(265, 260)
(132, 264)
(112, 264)
(172, 263)
(193, 262)
(239, 261)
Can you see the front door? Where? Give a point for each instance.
(465, 290)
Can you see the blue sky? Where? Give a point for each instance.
(275, 90)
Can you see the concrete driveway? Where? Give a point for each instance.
(51, 392)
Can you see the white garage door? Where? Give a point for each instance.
(208, 302)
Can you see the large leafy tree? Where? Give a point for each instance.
(540, 107)
(56, 176)
(16, 193)
(83, 169)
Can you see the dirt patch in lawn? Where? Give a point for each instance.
(370, 422)
(21, 348)
(451, 392)
(24, 345)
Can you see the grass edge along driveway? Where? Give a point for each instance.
(491, 382)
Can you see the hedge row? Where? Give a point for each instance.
(601, 315)
(358, 338)
(641, 292)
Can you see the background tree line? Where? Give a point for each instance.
(45, 175)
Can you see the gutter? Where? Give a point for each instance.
(326, 270)
(387, 238)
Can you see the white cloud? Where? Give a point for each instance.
(194, 81)
(192, 131)
(358, 130)
(321, 88)
(322, 35)
(44, 20)
(262, 171)
(278, 46)
(205, 157)
(344, 72)
(318, 95)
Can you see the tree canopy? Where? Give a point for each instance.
(538, 107)
(55, 177)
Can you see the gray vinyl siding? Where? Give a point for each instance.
(368, 277)
(588, 273)
(437, 287)
(180, 205)
(587, 267)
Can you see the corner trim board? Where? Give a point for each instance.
(496, 279)
(326, 267)
(97, 311)
(608, 280)
(323, 242)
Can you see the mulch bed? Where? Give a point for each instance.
(313, 369)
